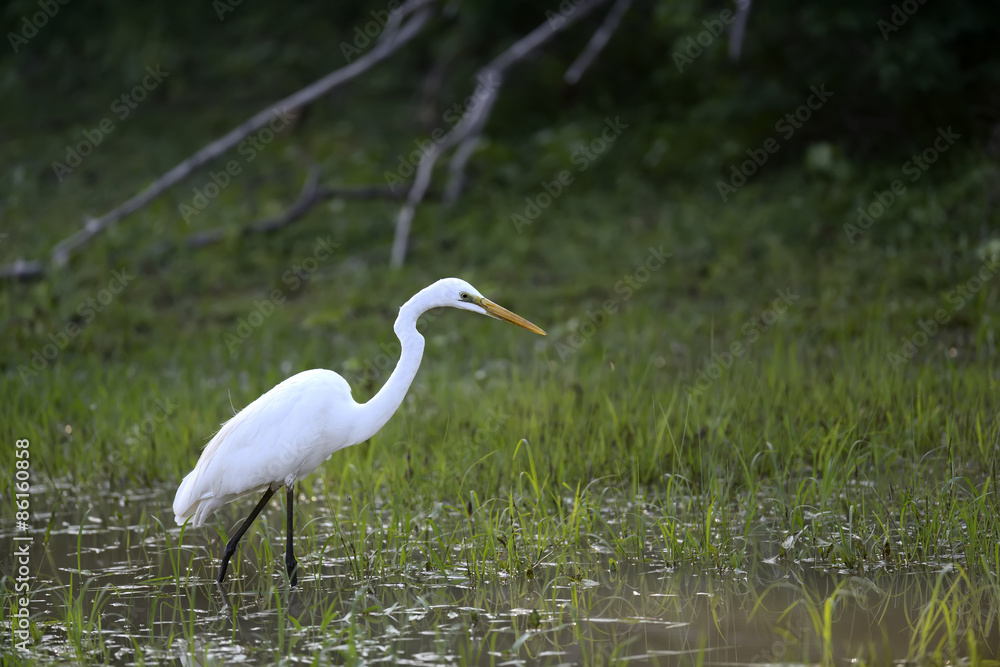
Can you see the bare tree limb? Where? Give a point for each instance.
(307, 199)
(597, 42)
(311, 195)
(488, 93)
(22, 270)
(393, 38)
(470, 126)
(425, 167)
(392, 27)
(738, 29)
(456, 166)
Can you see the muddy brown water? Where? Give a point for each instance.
(111, 585)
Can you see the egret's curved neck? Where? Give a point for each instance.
(377, 411)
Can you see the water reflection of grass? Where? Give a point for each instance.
(567, 602)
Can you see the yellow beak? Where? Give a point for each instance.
(501, 313)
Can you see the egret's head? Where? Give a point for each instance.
(457, 293)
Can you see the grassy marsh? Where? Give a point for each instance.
(620, 489)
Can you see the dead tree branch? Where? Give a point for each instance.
(311, 195)
(469, 128)
(307, 199)
(396, 34)
(597, 42)
(738, 29)
(22, 269)
(456, 166)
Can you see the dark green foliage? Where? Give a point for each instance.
(896, 75)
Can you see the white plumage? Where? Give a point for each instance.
(306, 418)
(289, 431)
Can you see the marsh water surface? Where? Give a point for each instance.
(114, 580)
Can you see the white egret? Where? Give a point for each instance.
(289, 431)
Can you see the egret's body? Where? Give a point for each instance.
(286, 433)
(308, 415)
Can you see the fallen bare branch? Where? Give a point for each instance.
(425, 169)
(307, 199)
(22, 270)
(738, 29)
(456, 167)
(472, 122)
(394, 37)
(597, 42)
(311, 195)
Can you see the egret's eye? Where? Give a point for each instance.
(465, 296)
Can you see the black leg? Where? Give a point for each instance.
(231, 546)
(290, 561)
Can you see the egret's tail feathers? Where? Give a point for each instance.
(186, 506)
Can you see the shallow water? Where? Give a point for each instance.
(111, 582)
